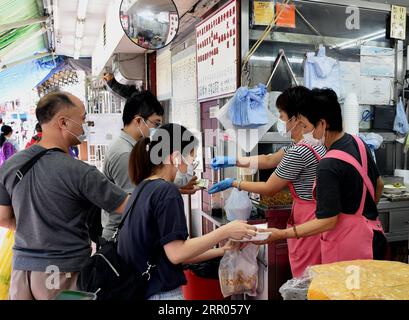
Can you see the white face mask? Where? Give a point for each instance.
(282, 128)
(82, 137)
(309, 138)
(152, 132)
(181, 178)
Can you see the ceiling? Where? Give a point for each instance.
(65, 24)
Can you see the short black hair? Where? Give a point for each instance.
(323, 104)
(143, 104)
(291, 99)
(51, 104)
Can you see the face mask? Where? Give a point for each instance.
(182, 179)
(282, 129)
(152, 132)
(309, 138)
(81, 138)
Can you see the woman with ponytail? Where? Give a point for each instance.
(155, 231)
(6, 147)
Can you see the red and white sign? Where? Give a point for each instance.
(217, 53)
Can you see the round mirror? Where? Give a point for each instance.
(151, 24)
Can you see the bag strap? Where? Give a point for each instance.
(156, 248)
(29, 164)
(130, 208)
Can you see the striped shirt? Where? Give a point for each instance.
(299, 165)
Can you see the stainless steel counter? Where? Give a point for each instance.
(394, 217)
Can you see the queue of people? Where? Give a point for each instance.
(332, 177)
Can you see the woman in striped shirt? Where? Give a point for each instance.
(295, 167)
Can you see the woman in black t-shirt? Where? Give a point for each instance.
(348, 187)
(156, 229)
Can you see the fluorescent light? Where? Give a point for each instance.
(374, 38)
(360, 42)
(347, 44)
(146, 14)
(55, 16)
(269, 58)
(78, 44)
(82, 9)
(79, 30)
(77, 48)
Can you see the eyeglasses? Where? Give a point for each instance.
(155, 124)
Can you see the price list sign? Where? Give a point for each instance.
(217, 53)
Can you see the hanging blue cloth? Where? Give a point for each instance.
(400, 125)
(247, 108)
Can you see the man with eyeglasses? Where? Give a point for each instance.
(142, 113)
(141, 116)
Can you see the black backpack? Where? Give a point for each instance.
(108, 276)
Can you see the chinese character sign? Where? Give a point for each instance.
(173, 26)
(216, 47)
(398, 23)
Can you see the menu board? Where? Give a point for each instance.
(217, 53)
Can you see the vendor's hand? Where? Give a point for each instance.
(276, 234)
(221, 186)
(223, 162)
(238, 230)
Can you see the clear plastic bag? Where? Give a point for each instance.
(238, 206)
(296, 288)
(400, 125)
(238, 271)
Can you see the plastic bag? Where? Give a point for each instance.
(238, 206)
(373, 140)
(400, 125)
(248, 107)
(238, 271)
(6, 253)
(296, 288)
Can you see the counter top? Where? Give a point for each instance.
(388, 205)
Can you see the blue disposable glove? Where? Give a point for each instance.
(221, 186)
(223, 162)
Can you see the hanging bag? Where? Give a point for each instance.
(108, 276)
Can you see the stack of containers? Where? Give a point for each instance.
(351, 114)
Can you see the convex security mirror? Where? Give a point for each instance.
(151, 24)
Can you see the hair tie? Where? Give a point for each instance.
(148, 147)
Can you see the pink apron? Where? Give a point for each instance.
(351, 239)
(303, 252)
